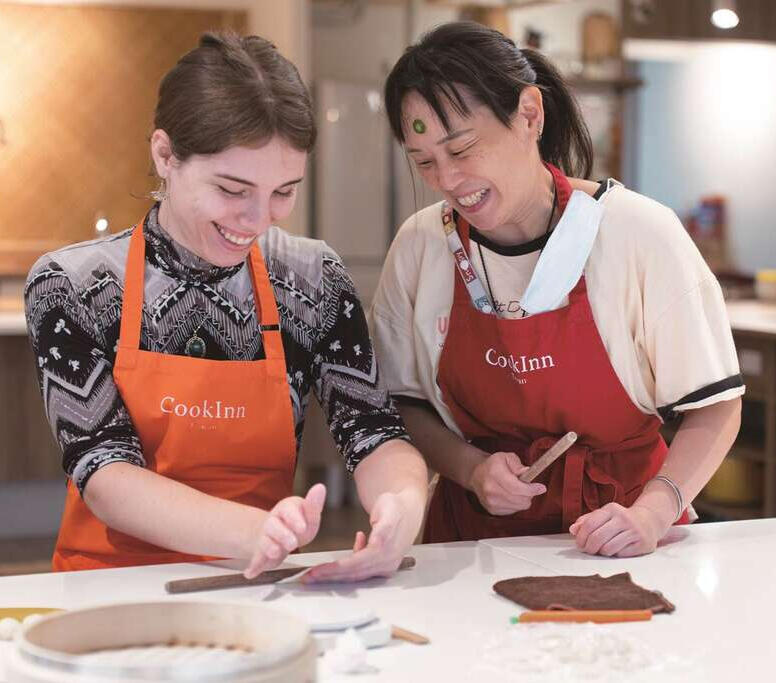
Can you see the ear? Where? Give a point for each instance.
(530, 111)
(161, 153)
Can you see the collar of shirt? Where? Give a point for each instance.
(175, 260)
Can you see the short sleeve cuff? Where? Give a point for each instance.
(723, 390)
(363, 447)
(97, 458)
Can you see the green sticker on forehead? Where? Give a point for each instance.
(418, 126)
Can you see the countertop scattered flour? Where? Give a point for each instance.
(574, 653)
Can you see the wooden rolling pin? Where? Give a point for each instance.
(560, 447)
(410, 636)
(237, 580)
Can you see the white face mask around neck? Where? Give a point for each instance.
(563, 259)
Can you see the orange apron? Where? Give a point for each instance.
(225, 428)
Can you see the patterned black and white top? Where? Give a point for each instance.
(73, 303)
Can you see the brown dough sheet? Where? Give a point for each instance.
(582, 592)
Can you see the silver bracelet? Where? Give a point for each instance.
(677, 493)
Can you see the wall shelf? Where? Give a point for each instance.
(618, 85)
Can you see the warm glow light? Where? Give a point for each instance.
(332, 115)
(724, 18)
(374, 100)
(101, 225)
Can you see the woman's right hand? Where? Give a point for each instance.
(291, 524)
(496, 484)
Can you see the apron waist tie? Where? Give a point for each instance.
(579, 472)
(583, 479)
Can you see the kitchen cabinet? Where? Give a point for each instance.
(27, 448)
(690, 20)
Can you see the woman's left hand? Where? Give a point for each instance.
(617, 531)
(394, 526)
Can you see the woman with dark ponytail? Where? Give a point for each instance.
(533, 302)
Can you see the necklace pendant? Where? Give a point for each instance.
(195, 347)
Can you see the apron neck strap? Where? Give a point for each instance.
(563, 187)
(132, 305)
(266, 309)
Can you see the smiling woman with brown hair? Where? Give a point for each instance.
(532, 303)
(176, 358)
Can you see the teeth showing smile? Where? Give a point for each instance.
(472, 199)
(231, 237)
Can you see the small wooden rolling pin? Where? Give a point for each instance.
(410, 636)
(237, 580)
(560, 447)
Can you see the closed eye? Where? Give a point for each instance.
(229, 193)
(286, 193)
(458, 152)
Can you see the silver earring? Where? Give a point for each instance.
(160, 193)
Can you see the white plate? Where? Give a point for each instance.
(374, 634)
(331, 616)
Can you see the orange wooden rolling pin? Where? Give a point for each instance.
(597, 616)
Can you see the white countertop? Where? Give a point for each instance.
(12, 323)
(747, 315)
(719, 576)
(752, 315)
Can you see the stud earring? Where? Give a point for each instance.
(160, 193)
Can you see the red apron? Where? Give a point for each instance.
(225, 428)
(518, 386)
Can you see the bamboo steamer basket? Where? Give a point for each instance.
(165, 642)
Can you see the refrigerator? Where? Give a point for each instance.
(362, 188)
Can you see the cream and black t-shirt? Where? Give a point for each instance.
(658, 308)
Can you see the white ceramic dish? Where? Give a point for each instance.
(376, 633)
(326, 615)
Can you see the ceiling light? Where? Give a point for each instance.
(723, 14)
